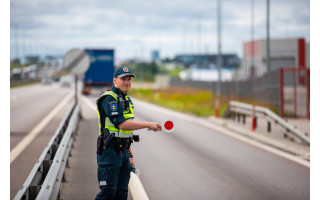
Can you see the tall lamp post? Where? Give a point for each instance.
(252, 44)
(268, 36)
(219, 63)
(219, 60)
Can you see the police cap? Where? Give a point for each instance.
(123, 71)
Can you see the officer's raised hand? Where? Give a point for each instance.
(154, 126)
(133, 125)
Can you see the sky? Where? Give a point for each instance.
(135, 28)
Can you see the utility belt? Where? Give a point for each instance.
(120, 144)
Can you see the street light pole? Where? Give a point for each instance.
(199, 33)
(219, 63)
(219, 60)
(268, 36)
(252, 43)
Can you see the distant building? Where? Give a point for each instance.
(207, 74)
(155, 55)
(31, 71)
(284, 53)
(16, 73)
(230, 61)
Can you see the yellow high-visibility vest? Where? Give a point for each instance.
(128, 114)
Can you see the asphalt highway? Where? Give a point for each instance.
(193, 162)
(196, 162)
(28, 107)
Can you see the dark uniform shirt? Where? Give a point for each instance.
(114, 109)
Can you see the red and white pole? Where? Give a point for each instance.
(216, 105)
(253, 124)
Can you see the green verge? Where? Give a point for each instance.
(189, 100)
(23, 83)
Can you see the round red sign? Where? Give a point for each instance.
(168, 125)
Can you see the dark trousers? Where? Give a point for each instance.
(113, 174)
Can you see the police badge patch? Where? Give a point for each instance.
(113, 107)
(125, 69)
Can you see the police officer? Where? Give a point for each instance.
(114, 156)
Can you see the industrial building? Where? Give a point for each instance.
(230, 61)
(203, 67)
(286, 85)
(284, 53)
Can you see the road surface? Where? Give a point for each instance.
(193, 162)
(28, 107)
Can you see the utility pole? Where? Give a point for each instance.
(219, 60)
(198, 54)
(268, 36)
(186, 38)
(252, 43)
(17, 41)
(199, 36)
(141, 54)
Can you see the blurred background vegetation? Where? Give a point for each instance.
(200, 102)
(185, 99)
(146, 71)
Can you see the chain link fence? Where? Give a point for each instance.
(267, 89)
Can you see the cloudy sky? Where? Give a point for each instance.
(135, 28)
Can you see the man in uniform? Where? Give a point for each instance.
(114, 157)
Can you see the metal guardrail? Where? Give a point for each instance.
(248, 109)
(45, 178)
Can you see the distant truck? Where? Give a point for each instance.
(101, 69)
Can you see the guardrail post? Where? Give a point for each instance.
(256, 121)
(247, 109)
(244, 119)
(54, 149)
(64, 177)
(38, 182)
(58, 197)
(60, 136)
(253, 124)
(269, 126)
(33, 191)
(281, 92)
(46, 166)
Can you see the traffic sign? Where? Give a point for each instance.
(168, 125)
(76, 61)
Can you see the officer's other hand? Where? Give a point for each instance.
(155, 126)
(131, 162)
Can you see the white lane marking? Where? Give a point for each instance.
(135, 186)
(257, 144)
(88, 102)
(225, 131)
(36, 130)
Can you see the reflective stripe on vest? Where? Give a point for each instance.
(128, 114)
